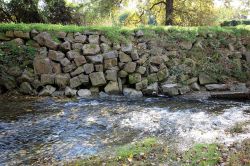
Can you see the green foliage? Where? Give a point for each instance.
(36, 11)
(135, 149)
(14, 55)
(203, 155)
(235, 23)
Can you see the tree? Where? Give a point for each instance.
(20, 11)
(58, 12)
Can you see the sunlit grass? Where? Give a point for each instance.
(117, 34)
(203, 155)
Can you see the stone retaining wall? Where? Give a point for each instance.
(87, 62)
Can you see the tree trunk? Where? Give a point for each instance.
(169, 12)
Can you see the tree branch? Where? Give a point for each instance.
(158, 3)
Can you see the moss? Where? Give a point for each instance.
(203, 155)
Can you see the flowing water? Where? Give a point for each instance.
(46, 130)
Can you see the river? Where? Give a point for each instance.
(44, 131)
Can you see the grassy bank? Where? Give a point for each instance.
(117, 33)
(151, 151)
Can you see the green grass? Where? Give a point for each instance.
(117, 34)
(135, 149)
(136, 154)
(202, 155)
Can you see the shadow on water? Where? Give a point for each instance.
(47, 130)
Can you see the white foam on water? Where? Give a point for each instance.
(190, 127)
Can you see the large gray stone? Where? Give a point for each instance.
(56, 55)
(162, 74)
(62, 80)
(65, 62)
(186, 45)
(130, 67)
(75, 82)
(184, 90)
(97, 78)
(56, 68)
(95, 59)
(112, 88)
(152, 78)
(21, 34)
(127, 48)
(134, 78)
(69, 68)
(132, 93)
(151, 89)
(110, 63)
(47, 90)
(217, 87)
(99, 67)
(70, 92)
(122, 74)
(105, 47)
(84, 79)
(73, 54)
(111, 75)
(80, 39)
(25, 88)
(77, 71)
(195, 86)
(134, 55)
(141, 70)
(47, 79)
(88, 68)
(80, 60)
(84, 93)
(93, 39)
(170, 89)
(156, 60)
(91, 49)
(77, 46)
(206, 79)
(239, 87)
(105, 40)
(110, 55)
(44, 39)
(65, 46)
(42, 65)
(141, 85)
(124, 57)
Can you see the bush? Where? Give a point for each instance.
(235, 22)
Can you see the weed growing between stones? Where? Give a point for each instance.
(13, 55)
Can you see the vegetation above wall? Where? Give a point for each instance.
(118, 33)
